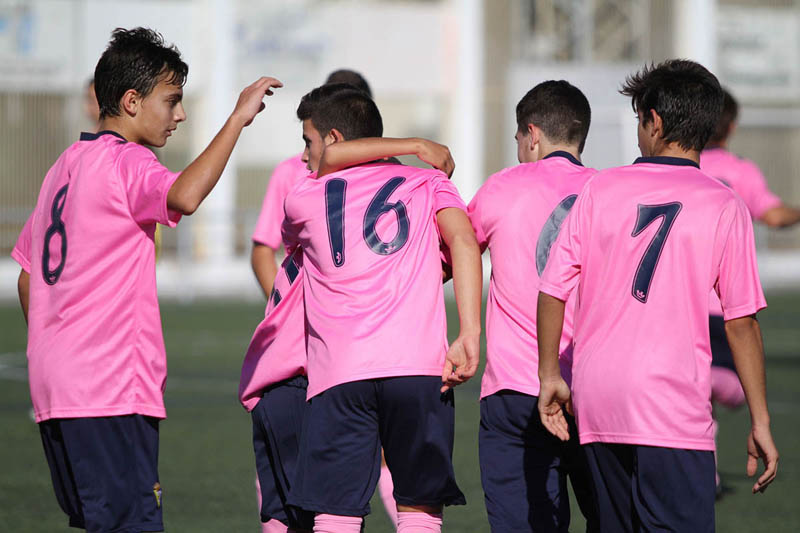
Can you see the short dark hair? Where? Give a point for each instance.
(686, 96)
(730, 112)
(559, 109)
(350, 77)
(135, 59)
(343, 107)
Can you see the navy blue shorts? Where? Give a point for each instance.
(340, 454)
(647, 488)
(721, 354)
(277, 429)
(105, 471)
(524, 468)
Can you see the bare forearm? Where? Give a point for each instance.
(341, 155)
(264, 266)
(467, 272)
(549, 323)
(200, 177)
(23, 288)
(781, 216)
(744, 338)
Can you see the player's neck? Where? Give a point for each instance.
(547, 149)
(118, 125)
(675, 150)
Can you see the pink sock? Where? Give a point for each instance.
(273, 526)
(331, 523)
(726, 388)
(385, 487)
(419, 522)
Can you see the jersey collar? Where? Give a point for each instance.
(94, 136)
(667, 160)
(561, 153)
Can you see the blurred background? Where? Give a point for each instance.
(450, 70)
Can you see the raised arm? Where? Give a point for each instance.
(197, 180)
(348, 153)
(781, 216)
(463, 356)
(23, 288)
(744, 338)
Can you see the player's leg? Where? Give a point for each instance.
(114, 461)
(611, 468)
(523, 483)
(386, 488)
(575, 464)
(339, 460)
(277, 430)
(61, 471)
(417, 432)
(673, 489)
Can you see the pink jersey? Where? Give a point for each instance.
(744, 177)
(373, 279)
(95, 346)
(283, 179)
(278, 349)
(517, 214)
(644, 244)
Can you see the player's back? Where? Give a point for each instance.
(373, 286)
(518, 214)
(277, 350)
(652, 240)
(93, 315)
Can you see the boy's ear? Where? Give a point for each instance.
(534, 134)
(334, 136)
(130, 102)
(658, 124)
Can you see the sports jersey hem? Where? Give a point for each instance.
(638, 440)
(96, 412)
(522, 389)
(375, 374)
(263, 242)
(449, 205)
(555, 292)
(167, 213)
(17, 256)
(742, 310)
(250, 401)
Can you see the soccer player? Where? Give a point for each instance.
(273, 381)
(379, 369)
(267, 233)
(643, 246)
(96, 360)
(517, 214)
(745, 178)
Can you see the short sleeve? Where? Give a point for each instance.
(474, 214)
(445, 194)
(738, 284)
(147, 182)
(22, 249)
(268, 225)
(755, 192)
(562, 272)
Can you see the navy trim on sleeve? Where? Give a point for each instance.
(85, 136)
(566, 155)
(667, 160)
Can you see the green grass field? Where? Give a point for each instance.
(206, 461)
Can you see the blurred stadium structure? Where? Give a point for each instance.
(451, 70)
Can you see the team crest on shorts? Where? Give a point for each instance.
(157, 493)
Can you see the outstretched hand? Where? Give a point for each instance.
(250, 101)
(760, 445)
(461, 361)
(554, 397)
(437, 155)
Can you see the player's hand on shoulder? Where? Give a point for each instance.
(553, 394)
(461, 361)
(760, 445)
(250, 101)
(436, 155)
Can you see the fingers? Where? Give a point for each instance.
(768, 476)
(752, 465)
(554, 421)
